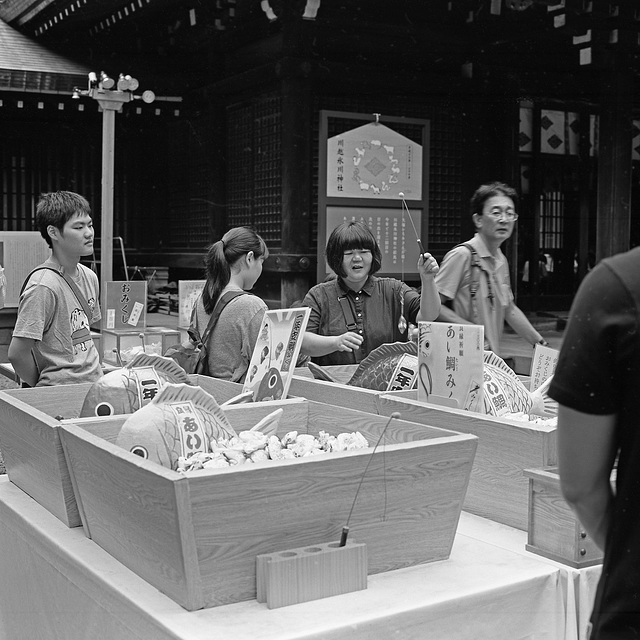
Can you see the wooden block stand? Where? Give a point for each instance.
(310, 573)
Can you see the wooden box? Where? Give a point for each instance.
(196, 537)
(30, 441)
(497, 489)
(120, 345)
(554, 530)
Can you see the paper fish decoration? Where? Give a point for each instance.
(128, 389)
(389, 367)
(271, 387)
(504, 392)
(180, 421)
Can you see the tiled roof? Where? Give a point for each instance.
(27, 65)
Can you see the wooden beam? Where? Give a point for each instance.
(614, 167)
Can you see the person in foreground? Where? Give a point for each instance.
(474, 275)
(52, 341)
(232, 264)
(356, 312)
(596, 386)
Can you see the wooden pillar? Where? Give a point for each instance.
(614, 166)
(296, 264)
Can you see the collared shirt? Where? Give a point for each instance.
(494, 293)
(376, 311)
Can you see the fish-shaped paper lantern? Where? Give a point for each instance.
(180, 421)
(128, 389)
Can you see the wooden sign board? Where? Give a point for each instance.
(126, 305)
(373, 161)
(392, 229)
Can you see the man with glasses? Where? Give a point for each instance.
(473, 281)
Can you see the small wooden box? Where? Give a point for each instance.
(127, 343)
(30, 441)
(320, 571)
(497, 489)
(196, 537)
(554, 531)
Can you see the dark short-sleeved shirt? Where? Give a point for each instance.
(376, 309)
(598, 372)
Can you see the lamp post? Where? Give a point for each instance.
(111, 96)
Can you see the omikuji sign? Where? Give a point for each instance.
(126, 304)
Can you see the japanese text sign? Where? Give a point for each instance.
(543, 365)
(373, 161)
(126, 304)
(450, 364)
(276, 352)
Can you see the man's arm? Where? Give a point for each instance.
(586, 454)
(23, 361)
(449, 315)
(521, 325)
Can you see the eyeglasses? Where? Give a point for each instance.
(509, 214)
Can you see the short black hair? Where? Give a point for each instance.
(486, 191)
(57, 208)
(348, 236)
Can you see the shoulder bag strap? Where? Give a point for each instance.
(222, 302)
(350, 320)
(73, 286)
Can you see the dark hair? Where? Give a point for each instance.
(221, 255)
(352, 235)
(57, 208)
(486, 191)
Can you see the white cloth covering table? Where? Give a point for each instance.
(58, 584)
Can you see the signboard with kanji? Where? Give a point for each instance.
(373, 161)
(126, 305)
(543, 365)
(450, 364)
(276, 353)
(394, 233)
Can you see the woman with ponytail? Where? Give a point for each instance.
(232, 264)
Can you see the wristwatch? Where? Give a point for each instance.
(542, 341)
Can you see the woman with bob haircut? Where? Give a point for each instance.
(232, 264)
(356, 312)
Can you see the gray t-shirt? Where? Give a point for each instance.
(50, 313)
(234, 336)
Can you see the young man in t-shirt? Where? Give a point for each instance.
(51, 341)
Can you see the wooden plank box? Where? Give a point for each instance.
(554, 531)
(196, 537)
(30, 441)
(497, 489)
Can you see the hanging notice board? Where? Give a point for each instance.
(20, 253)
(368, 165)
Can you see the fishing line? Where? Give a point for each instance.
(345, 529)
(405, 207)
